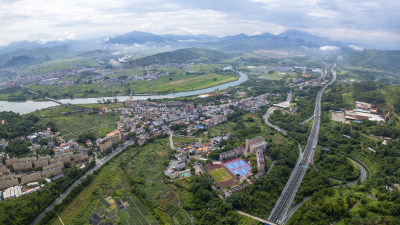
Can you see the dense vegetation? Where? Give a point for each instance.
(336, 166)
(17, 125)
(313, 181)
(207, 207)
(17, 148)
(256, 87)
(370, 202)
(373, 59)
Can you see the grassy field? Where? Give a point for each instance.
(173, 83)
(230, 127)
(72, 123)
(101, 105)
(180, 83)
(276, 75)
(100, 197)
(184, 141)
(78, 211)
(221, 175)
(60, 64)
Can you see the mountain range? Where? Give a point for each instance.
(25, 53)
(288, 39)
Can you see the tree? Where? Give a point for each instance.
(192, 170)
(17, 148)
(85, 136)
(132, 135)
(44, 142)
(254, 169)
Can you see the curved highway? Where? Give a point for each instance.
(286, 198)
(266, 120)
(285, 104)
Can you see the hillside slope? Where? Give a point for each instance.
(186, 55)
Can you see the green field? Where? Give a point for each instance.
(136, 176)
(100, 197)
(59, 64)
(221, 175)
(71, 123)
(276, 75)
(168, 84)
(180, 83)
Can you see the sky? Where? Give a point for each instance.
(364, 22)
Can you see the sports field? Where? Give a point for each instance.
(221, 175)
(238, 166)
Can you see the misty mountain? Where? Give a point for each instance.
(296, 34)
(243, 42)
(137, 37)
(187, 55)
(381, 60)
(20, 60)
(289, 40)
(42, 54)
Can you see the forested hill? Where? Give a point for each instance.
(186, 55)
(386, 97)
(374, 59)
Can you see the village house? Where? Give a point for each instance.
(22, 166)
(115, 136)
(30, 178)
(52, 172)
(176, 165)
(103, 144)
(8, 183)
(54, 165)
(81, 157)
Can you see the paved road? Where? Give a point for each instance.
(280, 106)
(286, 198)
(99, 163)
(171, 141)
(266, 119)
(363, 176)
(285, 104)
(255, 218)
(363, 173)
(294, 209)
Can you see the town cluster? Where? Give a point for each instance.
(50, 78)
(147, 119)
(19, 175)
(144, 119)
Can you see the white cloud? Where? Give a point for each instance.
(355, 47)
(328, 48)
(378, 38)
(369, 22)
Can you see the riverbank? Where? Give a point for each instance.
(31, 106)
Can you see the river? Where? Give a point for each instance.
(31, 106)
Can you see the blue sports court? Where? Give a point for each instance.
(238, 166)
